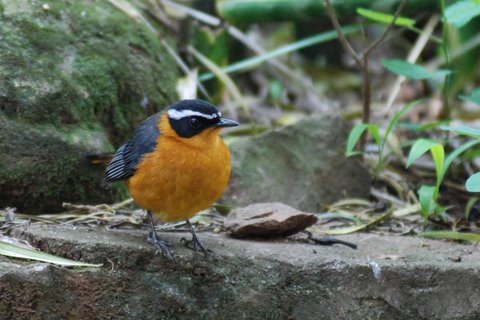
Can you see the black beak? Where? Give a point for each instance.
(224, 122)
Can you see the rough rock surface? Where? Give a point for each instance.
(302, 165)
(74, 77)
(267, 220)
(387, 278)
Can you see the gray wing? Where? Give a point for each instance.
(127, 157)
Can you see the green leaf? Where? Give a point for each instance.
(451, 235)
(223, 208)
(473, 97)
(213, 45)
(353, 137)
(373, 129)
(255, 61)
(14, 251)
(390, 127)
(461, 12)
(452, 156)
(469, 206)
(385, 18)
(410, 70)
(418, 149)
(463, 130)
(473, 183)
(275, 89)
(394, 120)
(397, 116)
(357, 132)
(428, 126)
(438, 155)
(427, 197)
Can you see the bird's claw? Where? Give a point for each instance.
(195, 245)
(161, 246)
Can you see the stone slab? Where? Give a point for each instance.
(388, 277)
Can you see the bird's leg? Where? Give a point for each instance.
(195, 243)
(153, 239)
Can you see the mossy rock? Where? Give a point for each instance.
(76, 77)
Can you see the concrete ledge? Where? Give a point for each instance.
(387, 278)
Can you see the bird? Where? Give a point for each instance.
(175, 165)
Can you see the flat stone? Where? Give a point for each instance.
(388, 277)
(302, 165)
(267, 220)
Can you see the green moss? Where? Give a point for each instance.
(80, 66)
(81, 63)
(43, 169)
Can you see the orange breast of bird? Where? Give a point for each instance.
(183, 175)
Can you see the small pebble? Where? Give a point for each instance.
(455, 258)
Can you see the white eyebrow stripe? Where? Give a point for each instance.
(177, 115)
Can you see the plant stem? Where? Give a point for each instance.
(446, 40)
(362, 58)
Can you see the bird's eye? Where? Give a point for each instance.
(194, 123)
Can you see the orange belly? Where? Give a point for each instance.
(176, 181)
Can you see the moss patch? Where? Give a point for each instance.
(72, 79)
(42, 169)
(81, 62)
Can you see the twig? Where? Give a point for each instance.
(227, 81)
(362, 58)
(341, 36)
(382, 37)
(184, 67)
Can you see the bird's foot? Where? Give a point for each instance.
(161, 246)
(195, 244)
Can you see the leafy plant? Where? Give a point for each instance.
(473, 97)
(473, 182)
(373, 129)
(386, 19)
(461, 12)
(411, 70)
(428, 194)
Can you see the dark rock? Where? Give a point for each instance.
(267, 220)
(73, 77)
(388, 277)
(302, 165)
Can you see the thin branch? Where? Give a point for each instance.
(341, 36)
(377, 42)
(184, 66)
(362, 59)
(367, 93)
